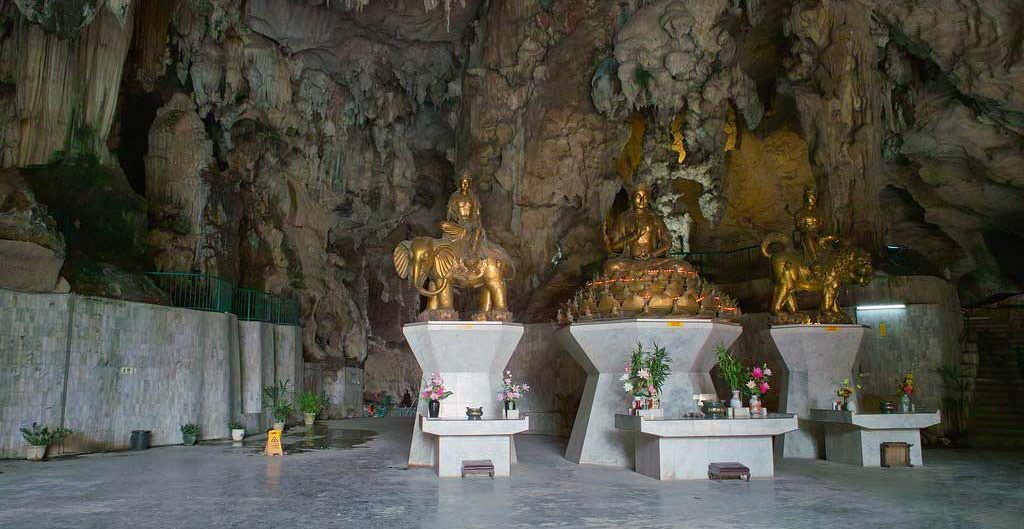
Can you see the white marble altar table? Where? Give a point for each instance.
(856, 438)
(460, 440)
(670, 449)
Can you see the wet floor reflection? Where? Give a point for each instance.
(319, 437)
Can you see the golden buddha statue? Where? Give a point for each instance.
(639, 239)
(640, 279)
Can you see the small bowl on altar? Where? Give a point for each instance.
(474, 414)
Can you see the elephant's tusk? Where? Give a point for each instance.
(432, 293)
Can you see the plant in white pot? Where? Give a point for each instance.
(733, 372)
(237, 431)
(311, 404)
(39, 439)
(276, 399)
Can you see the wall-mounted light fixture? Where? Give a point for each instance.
(882, 307)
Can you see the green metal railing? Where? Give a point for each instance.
(190, 290)
(195, 291)
(730, 266)
(253, 305)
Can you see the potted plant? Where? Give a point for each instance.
(732, 371)
(189, 434)
(433, 392)
(237, 431)
(276, 399)
(510, 394)
(757, 385)
(311, 404)
(39, 439)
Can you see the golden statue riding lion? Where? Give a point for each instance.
(838, 263)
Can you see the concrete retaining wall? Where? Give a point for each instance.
(105, 367)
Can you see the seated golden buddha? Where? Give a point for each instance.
(639, 240)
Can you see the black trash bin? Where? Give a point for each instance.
(140, 439)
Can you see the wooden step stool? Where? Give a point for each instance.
(728, 470)
(478, 466)
(896, 455)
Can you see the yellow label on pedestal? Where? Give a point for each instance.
(274, 443)
(881, 329)
(465, 326)
(831, 328)
(675, 324)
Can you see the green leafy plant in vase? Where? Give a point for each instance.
(275, 398)
(189, 434)
(733, 372)
(39, 439)
(311, 404)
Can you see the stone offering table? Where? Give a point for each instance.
(602, 348)
(669, 449)
(470, 356)
(461, 440)
(818, 358)
(856, 438)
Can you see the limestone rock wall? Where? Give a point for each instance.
(288, 145)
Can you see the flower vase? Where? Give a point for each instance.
(736, 402)
(850, 405)
(755, 405)
(511, 412)
(905, 404)
(433, 408)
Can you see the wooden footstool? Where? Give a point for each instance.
(728, 471)
(478, 466)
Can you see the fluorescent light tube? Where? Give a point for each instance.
(882, 307)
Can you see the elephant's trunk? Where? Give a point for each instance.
(431, 293)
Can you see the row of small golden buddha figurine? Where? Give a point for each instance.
(671, 292)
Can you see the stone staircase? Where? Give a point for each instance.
(998, 406)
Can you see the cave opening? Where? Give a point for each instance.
(1008, 250)
(137, 114)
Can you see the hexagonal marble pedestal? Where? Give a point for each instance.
(470, 357)
(818, 358)
(602, 348)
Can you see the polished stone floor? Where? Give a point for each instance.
(354, 476)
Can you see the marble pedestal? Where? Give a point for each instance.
(670, 449)
(461, 440)
(602, 348)
(856, 438)
(470, 356)
(818, 358)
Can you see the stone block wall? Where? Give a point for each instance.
(557, 380)
(106, 367)
(33, 361)
(135, 366)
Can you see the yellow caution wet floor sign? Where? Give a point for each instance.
(274, 443)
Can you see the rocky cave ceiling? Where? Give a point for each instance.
(287, 145)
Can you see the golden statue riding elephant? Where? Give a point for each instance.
(823, 263)
(463, 258)
(436, 262)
